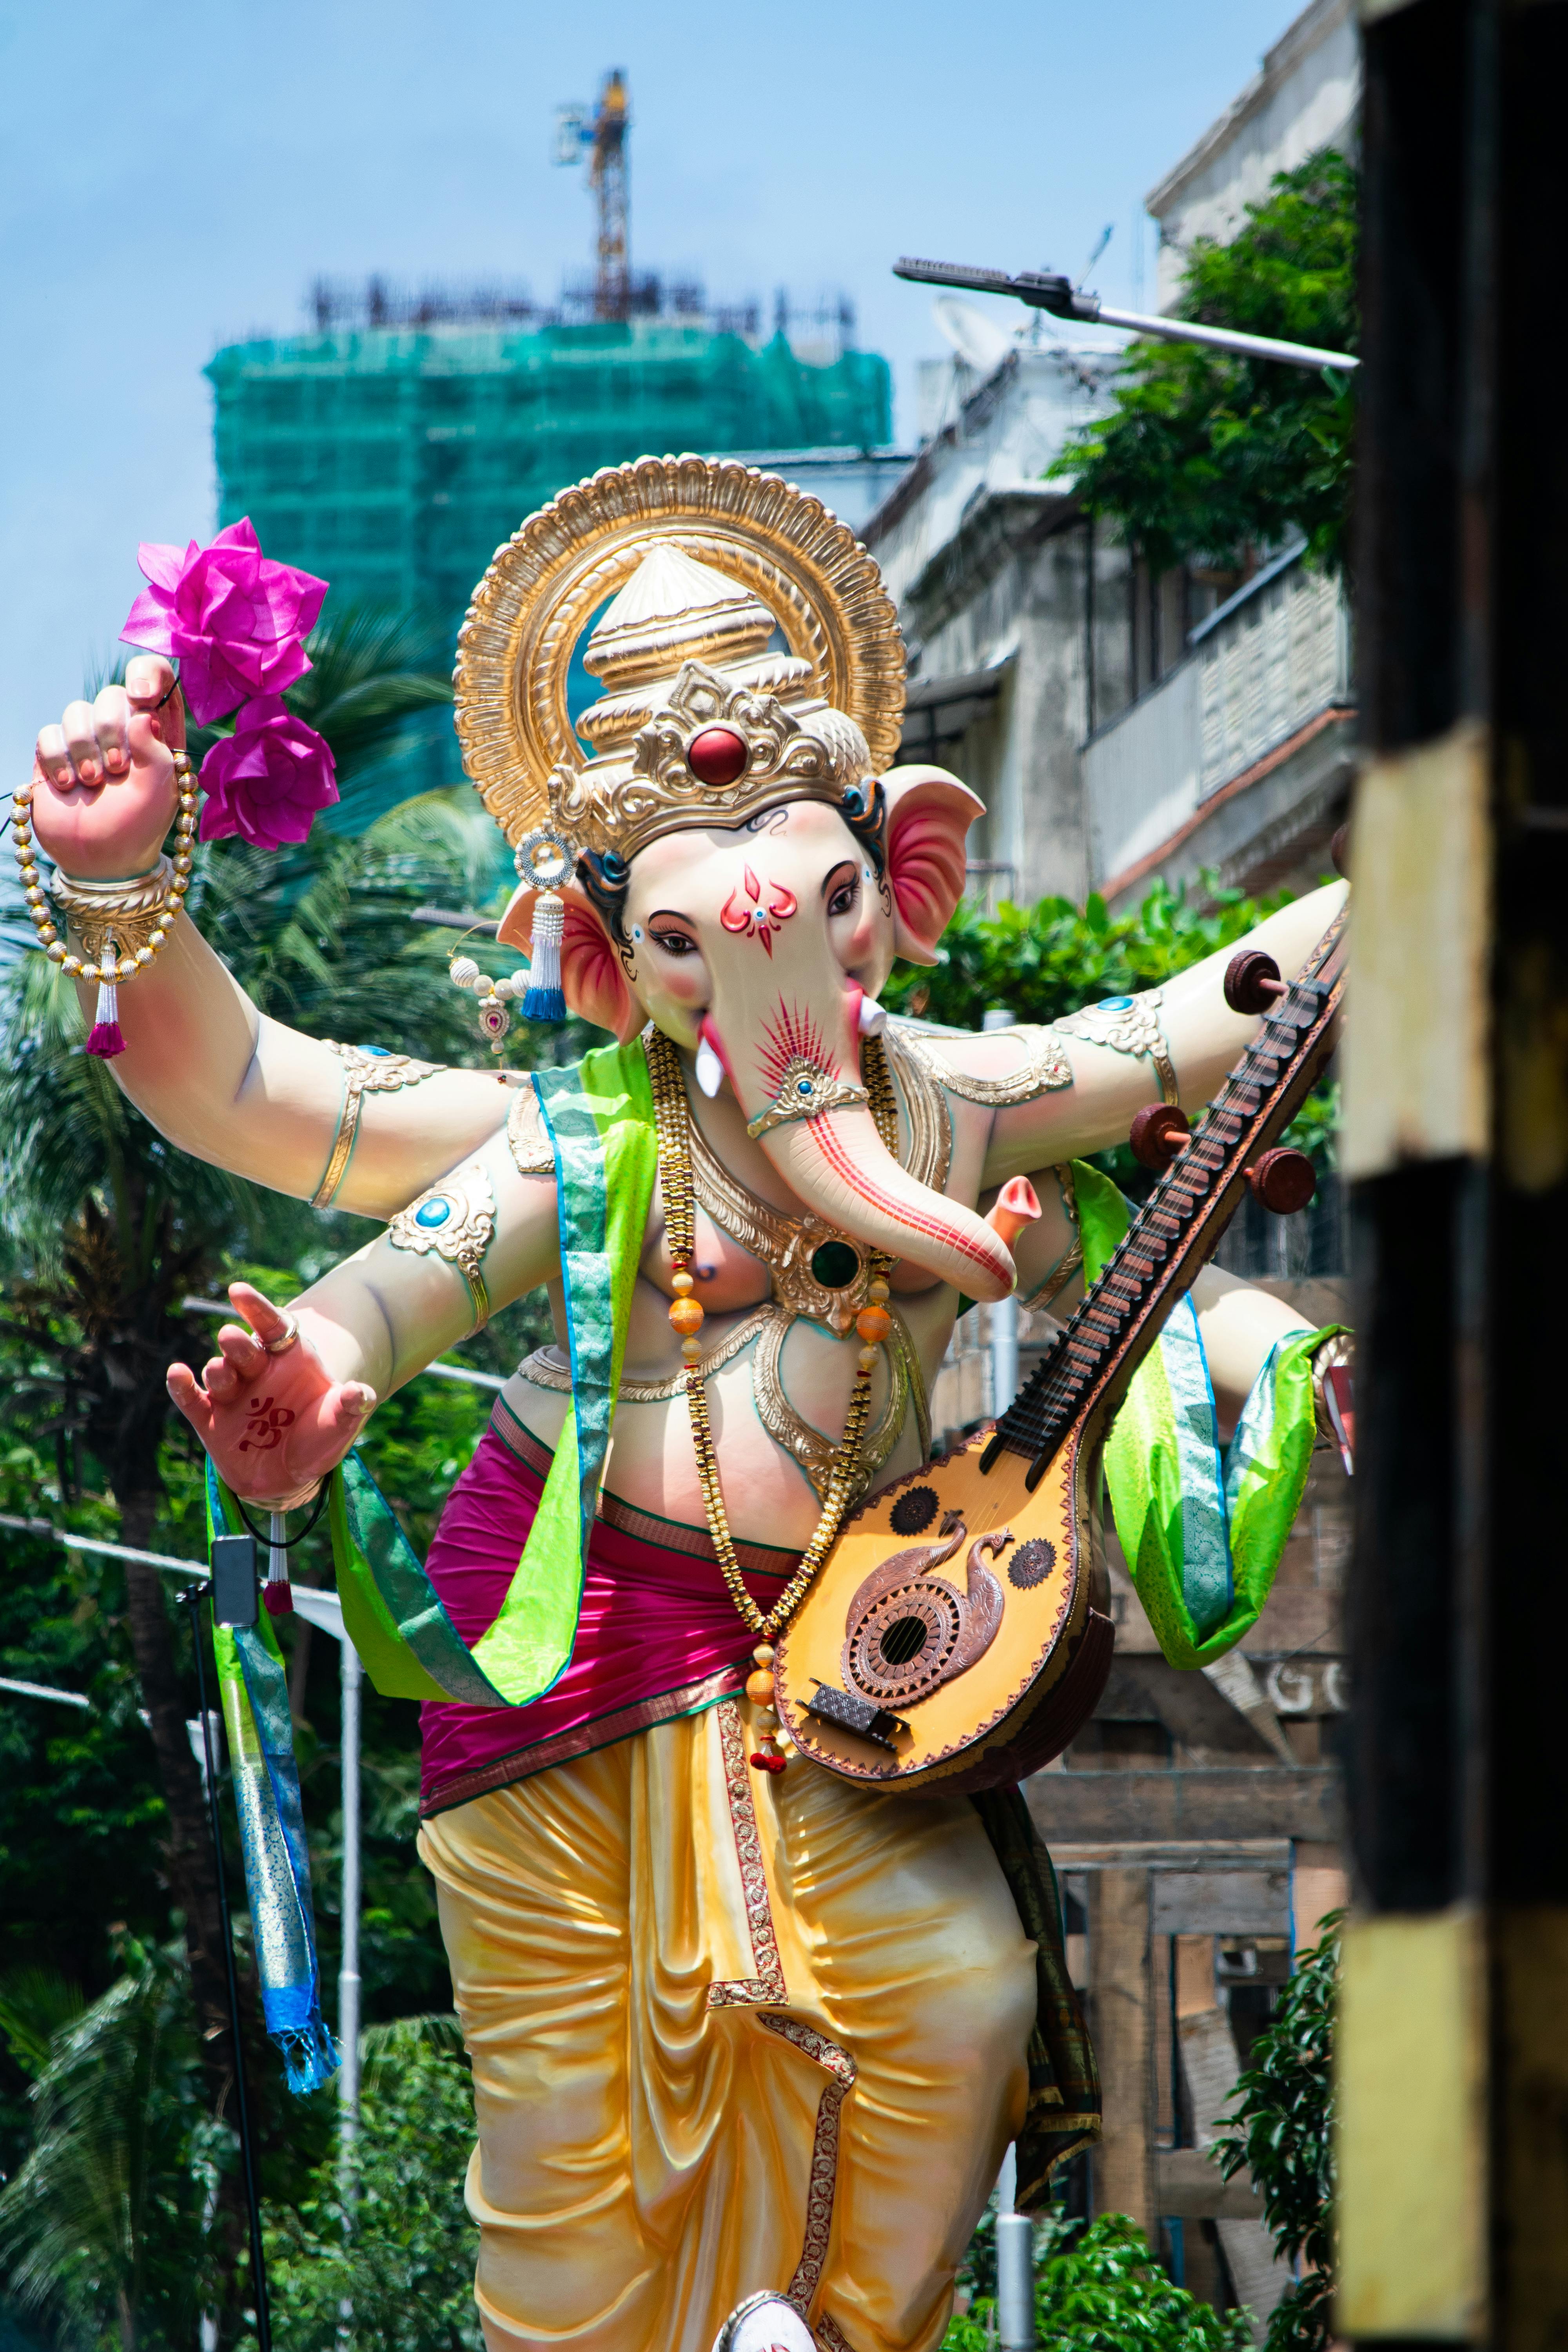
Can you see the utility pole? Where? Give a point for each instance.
(1452, 2052)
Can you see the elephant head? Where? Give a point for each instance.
(758, 934)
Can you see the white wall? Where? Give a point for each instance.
(1305, 96)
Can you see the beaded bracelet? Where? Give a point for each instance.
(108, 917)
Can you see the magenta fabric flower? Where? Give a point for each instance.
(268, 779)
(232, 618)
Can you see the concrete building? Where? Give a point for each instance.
(1014, 617)
(1305, 95)
(1119, 727)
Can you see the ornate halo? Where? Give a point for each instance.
(546, 584)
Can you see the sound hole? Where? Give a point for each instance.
(835, 1265)
(904, 1639)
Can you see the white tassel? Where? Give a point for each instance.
(544, 1000)
(709, 1069)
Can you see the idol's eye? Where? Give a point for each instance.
(674, 944)
(841, 901)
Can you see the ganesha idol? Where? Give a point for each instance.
(750, 2039)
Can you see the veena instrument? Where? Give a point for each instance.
(958, 1636)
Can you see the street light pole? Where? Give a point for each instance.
(324, 1610)
(1044, 289)
(350, 1677)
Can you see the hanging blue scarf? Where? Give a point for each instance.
(266, 1781)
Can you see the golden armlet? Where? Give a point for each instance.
(1128, 1024)
(454, 1220)
(364, 1073)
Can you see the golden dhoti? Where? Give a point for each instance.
(729, 2031)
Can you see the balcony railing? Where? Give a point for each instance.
(1274, 657)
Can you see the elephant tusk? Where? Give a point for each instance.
(709, 1069)
(872, 1017)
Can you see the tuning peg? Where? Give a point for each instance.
(1283, 1180)
(1158, 1131)
(1252, 982)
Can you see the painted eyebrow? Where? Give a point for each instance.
(668, 914)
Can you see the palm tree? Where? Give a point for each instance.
(106, 2227)
(105, 1227)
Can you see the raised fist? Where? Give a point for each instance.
(273, 1419)
(103, 779)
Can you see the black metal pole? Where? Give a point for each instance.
(193, 1600)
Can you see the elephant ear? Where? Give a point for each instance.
(929, 816)
(592, 979)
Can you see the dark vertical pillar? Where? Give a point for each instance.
(1455, 2215)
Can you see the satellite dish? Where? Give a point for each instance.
(979, 342)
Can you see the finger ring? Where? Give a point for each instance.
(285, 1340)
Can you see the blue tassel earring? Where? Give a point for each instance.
(544, 860)
(544, 1000)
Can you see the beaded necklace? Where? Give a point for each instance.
(672, 1116)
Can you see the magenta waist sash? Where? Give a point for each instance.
(657, 1636)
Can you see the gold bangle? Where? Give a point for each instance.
(125, 913)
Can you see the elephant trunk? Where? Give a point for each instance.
(839, 1165)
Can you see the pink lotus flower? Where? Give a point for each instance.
(232, 617)
(268, 779)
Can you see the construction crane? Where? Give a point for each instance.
(602, 137)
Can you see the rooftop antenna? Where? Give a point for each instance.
(602, 137)
(1106, 235)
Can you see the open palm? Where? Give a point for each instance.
(270, 1414)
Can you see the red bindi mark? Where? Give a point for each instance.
(758, 920)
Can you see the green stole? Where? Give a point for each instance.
(1201, 1530)
(599, 1113)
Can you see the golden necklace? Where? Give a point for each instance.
(672, 1117)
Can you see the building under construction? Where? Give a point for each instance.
(393, 446)
(393, 458)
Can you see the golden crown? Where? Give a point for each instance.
(705, 717)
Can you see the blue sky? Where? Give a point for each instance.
(173, 177)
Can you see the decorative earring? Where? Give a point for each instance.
(493, 995)
(544, 860)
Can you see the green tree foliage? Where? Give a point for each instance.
(1047, 959)
(1099, 2289)
(1043, 960)
(105, 2231)
(1282, 2132)
(400, 2255)
(1205, 455)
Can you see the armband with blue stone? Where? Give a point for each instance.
(455, 1219)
